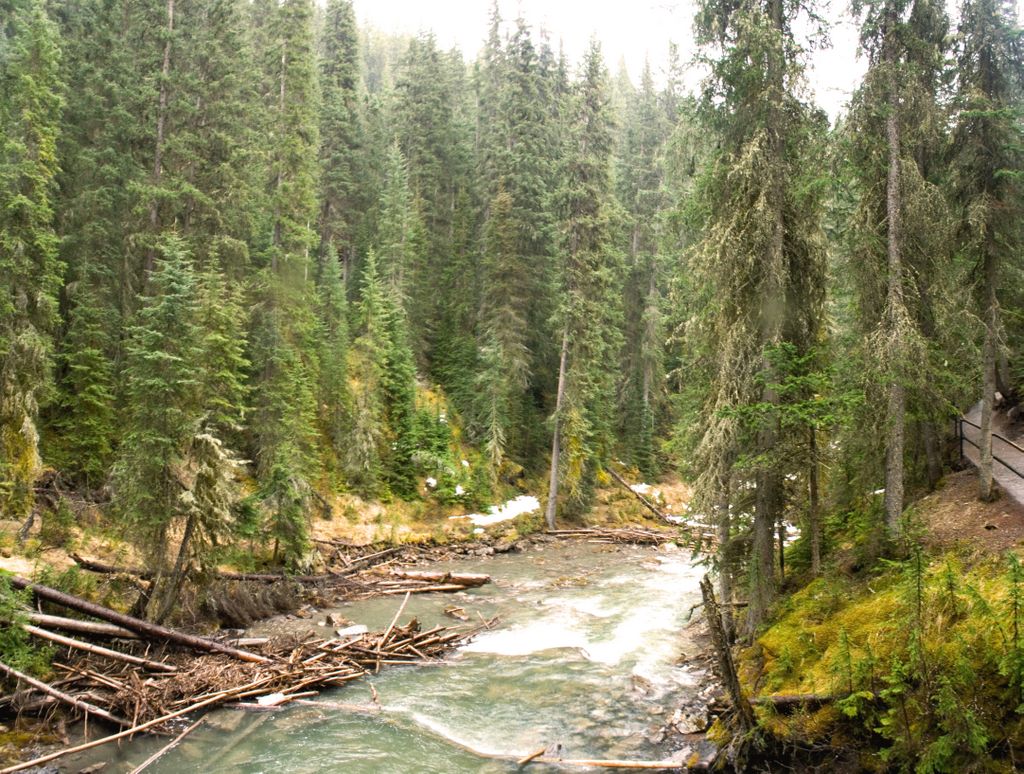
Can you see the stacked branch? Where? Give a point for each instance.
(155, 675)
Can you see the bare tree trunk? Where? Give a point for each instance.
(813, 512)
(762, 559)
(896, 314)
(161, 119)
(552, 504)
(725, 565)
(169, 597)
(988, 394)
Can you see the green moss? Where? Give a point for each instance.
(924, 649)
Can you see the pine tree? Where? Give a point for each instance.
(339, 131)
(334, 399)
(85, 425)
(989, 168)
(639, 184)
(284, 335)
(582, 436)
(163, 408)
(399, 231)
(222, 341)
(517, 157)
(761, 258)
(896, 130)
(30, 103)
(363, 465)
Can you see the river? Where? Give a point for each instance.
(583, 659)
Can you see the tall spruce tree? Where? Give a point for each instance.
(639, 189)
(896, 131)
(30, 103)
(339, 131)
(989, 170)
(582, 437)
(762, 257)
(284, 336)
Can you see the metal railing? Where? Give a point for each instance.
(963, 439)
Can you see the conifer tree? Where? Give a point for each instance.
(284, 346)
(363, 465)
(333, 395)
(399, 230)
(339, 131)
(896, 135)
(85, 425)
(989, 169)
(762, 259)
(639, 183)
(30, 103)
(585, 400)
(163, 409)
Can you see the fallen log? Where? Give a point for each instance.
(144, 628)
(67, 698)
(469, 579)
(116, 655)
(424, 589)
(646, 503)
(791, 701)
(82, 627)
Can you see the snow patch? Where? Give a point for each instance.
(498, 513)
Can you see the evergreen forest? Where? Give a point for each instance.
(253, 255)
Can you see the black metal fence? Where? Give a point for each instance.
(963, 438)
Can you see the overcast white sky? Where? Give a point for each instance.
(629, 31)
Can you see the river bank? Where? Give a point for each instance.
(587, 645)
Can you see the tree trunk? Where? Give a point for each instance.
(988, 391)
(813, 513)
(744, 715)
(725, 565)
(896, 315)
(168, 596)
(762, 559)
(552, 504)
(161, 119)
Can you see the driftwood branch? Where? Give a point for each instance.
(67, 698)
(116, 655)
(79, 626)
(168, 747)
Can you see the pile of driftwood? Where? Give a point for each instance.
(698, 536)
(145, 675)
(365, 576)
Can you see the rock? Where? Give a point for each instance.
(335, 620)
(503, 547)
(655, 734)
(688, 721)
(94, 768)
(484, 551)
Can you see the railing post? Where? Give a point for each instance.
(960, 434)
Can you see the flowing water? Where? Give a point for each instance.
(583, 656)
